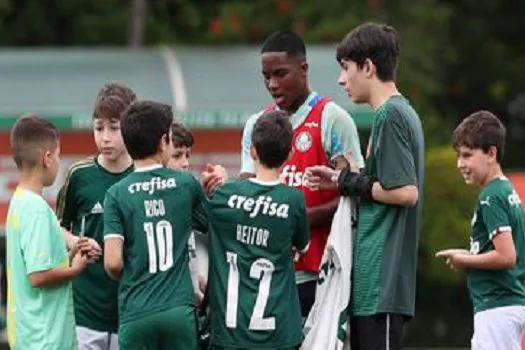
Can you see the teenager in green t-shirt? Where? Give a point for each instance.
(390, 189)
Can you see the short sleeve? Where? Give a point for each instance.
(495, 215)
(301, 236)
(200, 212)
(39, 241)
(66, 208)
(247, 165)
(113, 225)
(339, 134)
(395, 160)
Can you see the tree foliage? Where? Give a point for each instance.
(448, 208)
(458, 56)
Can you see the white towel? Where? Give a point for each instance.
(328, 326)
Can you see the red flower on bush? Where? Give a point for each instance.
(235, 22)
(215, 26)
(284, 7)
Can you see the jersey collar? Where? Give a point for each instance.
(264, 183)
(306, 107)
(148, 168)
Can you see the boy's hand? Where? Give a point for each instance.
(78, 243)
(352, 163)
(202, 284)
(80, 261)
(93, 250)
(213, 176)
(295, 255)
(454, 258)
(88, 247)
(321, 177)
(199, 295)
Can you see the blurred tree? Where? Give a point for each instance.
(101, 22)
(449, 206)
(443, 308)
(485, 62)
(56, 22)
(136, 31)
(421, 76)
(109, 22)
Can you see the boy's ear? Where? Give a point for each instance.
(47, 159)
(164, 142)
(493, 152)
(253, 153)
(369, 68)
(304, 68)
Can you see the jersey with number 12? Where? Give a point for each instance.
(253, 296)
(153, 210)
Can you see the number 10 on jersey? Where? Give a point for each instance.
(160, 245)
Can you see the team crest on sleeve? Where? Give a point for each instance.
(303, 141)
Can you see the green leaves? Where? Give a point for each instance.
(448, 208)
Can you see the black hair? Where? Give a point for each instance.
(272, 138)
(285, 41)
(181, 136)
(143, 125)
(377, 42)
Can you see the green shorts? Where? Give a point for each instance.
(174, 328)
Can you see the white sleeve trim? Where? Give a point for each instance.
(499, 230)
(305, 249)
(113, 235)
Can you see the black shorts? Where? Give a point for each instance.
(377, 332)
(306, 293)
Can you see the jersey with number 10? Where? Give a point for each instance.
(253, 296)
(153, 210)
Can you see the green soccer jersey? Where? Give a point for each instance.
(82, 198)
(154, 210)
(253, 296)
(386, 244)
(37, 318)
(498, 210)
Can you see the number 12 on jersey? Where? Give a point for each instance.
(162, 233)
(262, 270)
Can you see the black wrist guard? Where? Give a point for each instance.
(355, 184)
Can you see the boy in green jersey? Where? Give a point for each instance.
(255, 224)
(390, 190)
(495, 264)
(148, 218)
(181, 141)
(39, 298)
(80, 212)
